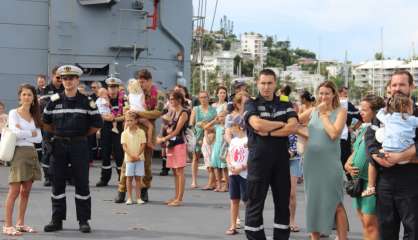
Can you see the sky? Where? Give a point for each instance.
(327, 27)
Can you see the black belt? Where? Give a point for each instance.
(70, 139)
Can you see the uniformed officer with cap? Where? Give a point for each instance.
(70, 117)
(54, 87)
(110, 137)
(269, 121)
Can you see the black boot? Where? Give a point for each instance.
(101, 183)
(84, 227)
(120, 198)
(144, 194)
(53, 226)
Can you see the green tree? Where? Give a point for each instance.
(282, 44)
(226, 45)
(304, 53)
(237, 60)
(247, 68)
(378, 56)
(268, 42)
(338, 81)
(209, 43)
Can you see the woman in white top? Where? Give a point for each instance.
(25, 122)
(221, 104)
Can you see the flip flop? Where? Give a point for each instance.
(208, 188)
(231, 231)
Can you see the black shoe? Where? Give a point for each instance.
(164, 171)
(53, 226)
(84, 227)
(120, 198)
(47, 183)
(101, 184)
(144, 194)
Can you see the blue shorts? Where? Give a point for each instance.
(135, 168)
(238, 188)
(296, 167)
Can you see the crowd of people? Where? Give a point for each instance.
(248, 145)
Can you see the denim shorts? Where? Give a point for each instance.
(296, 167)
(135, 168)
(238, 188)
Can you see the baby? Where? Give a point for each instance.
(103, 105)
(136, 100)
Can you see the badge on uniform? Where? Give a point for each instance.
(92, 104)
(55, 97)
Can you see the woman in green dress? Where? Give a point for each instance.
(357, 165)
(323, 172)
(199, 118)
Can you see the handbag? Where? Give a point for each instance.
(354, 186)
(7, 145)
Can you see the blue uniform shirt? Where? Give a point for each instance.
(274, 110)
(72, 116)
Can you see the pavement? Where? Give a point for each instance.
(204, 214)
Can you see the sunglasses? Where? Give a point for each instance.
(65, 78)
(113, 86)
(58, 78)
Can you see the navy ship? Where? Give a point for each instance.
(103, 37)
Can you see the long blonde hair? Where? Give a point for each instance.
(330, 85)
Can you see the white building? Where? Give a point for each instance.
(334, 70)
(301, 79)
(224, 60)
(252, 47)
(377, 73)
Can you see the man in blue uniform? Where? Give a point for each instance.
(269, 122)
(44, 97)
(70, 117)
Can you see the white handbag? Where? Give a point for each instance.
(7, 145)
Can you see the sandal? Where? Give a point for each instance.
(231, 231)
(369, 192)
(208, 188)
(194, 186)
(25, 229)
(11, 231)
(294, 228)
(175, 203)
(170, 201)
